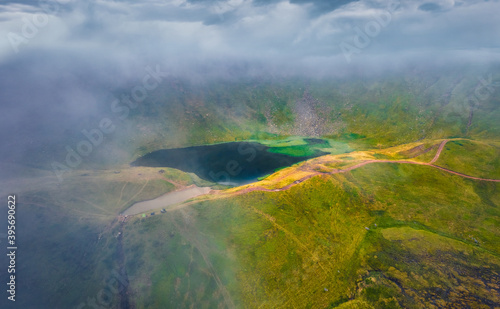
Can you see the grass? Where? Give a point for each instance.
(254, 257)
(298, 146)
(444, 271)
(295, 151)
(263, 177)
(440, 218)
(380, 236)
(475, 158)
(173, 267)
(177, 176)
(432, 239)
(376, 112)
(287, 142)
(68, 230)
(435, 206)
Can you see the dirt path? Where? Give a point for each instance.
(145, 184)
(337, 171)
(188, 232)
(440, 149)
(345, 170)
(464, 175)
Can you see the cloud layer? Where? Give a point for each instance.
(61, 59)
(296, 31)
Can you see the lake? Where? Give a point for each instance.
(235, 163)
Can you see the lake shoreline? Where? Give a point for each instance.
(166, 200)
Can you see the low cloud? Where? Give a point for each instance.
(60, 60)
(249, 30)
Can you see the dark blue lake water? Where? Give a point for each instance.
(234, 163)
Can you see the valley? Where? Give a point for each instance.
(313, 168)
(249, 154)
(357, 219)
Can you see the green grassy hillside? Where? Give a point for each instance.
(372, 112)
(380, 236)
(475, 158)
(383, 236)
(67, 232)
(385, 111)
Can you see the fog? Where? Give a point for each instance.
(128, 33)
(61, 61)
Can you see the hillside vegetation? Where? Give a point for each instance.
(383, 236)
(349, 229)
(370, 112)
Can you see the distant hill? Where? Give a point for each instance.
(377, 111)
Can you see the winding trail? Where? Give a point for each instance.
(332, 172)
(203, 250)
(348, 169)
(438, 153)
